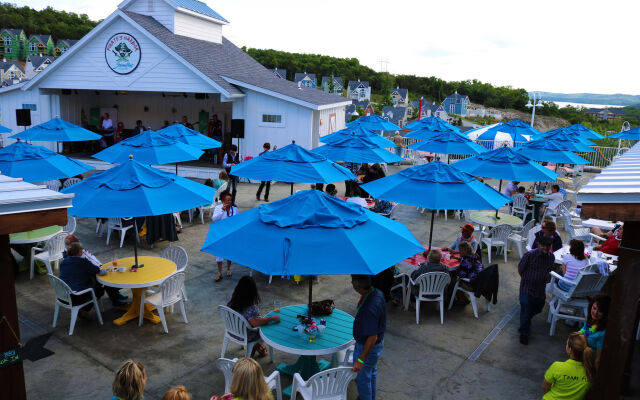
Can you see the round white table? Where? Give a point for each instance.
(488, 218)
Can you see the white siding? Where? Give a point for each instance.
(160, 11)
(158, 70)
(298, 123)
(14, 99)
(322, 126)
(197, 28)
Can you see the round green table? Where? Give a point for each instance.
(488, 218)
(34, 236)
(337, 336)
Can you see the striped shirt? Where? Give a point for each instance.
(573, 266)
(534, 268)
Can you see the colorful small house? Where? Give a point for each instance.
(11, 71)
(400, 97)
(456, 104)
(62, 46)
(352, 109)
(12, 44)
(359, 90)
(332, 84)
(39, 44)
(279, 73)
(306, 80)
(36, 63)
(395, 114)
(428, 109)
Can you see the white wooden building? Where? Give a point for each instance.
(157, 60)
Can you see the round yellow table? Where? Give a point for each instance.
(155, 270)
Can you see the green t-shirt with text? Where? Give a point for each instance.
(568, 381)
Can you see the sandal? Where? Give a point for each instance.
(262, 351)
(218, 278)
(228, 273)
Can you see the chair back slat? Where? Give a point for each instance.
(500, 232)
(520, 203)
(70, 227)
(55, 244)
(63, 291)
(178, 255)
(226, 366)
(433, 283)
(526, 228)
(587, 284)
(172, 287)
(216, 195)
(331, 383)
(70, 181)
(234, 322)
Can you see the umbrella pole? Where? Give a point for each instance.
(500, 191)
(433, 213)
(176, 168)
(135, 242)
(310, 293)
(291, 187)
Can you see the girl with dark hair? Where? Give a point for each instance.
(245, 300)
(572, 263)
(595, 327)
(220, 212)
(571, 379)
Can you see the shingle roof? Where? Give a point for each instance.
(397, 113)
(42, 38)
(364, 104)
(457, 96)
(37, 60)
(226, 60)
(13, 32)
(337, 79)
(68, 42)
(301, 75)
(279, 72)
(355, 84)
(402, 92)
(610, 110)
(199, 7)
(5, 65)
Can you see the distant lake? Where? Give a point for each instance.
(562, 104)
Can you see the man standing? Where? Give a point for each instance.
(107, 128)
(534, 268)
(368, 331)
(266, 147)
(397, 139)
(230, 159)
(185, 122)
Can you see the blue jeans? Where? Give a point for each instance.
(368, 375)
(529, 307)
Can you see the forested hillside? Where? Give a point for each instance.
(59, 24)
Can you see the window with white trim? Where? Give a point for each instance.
(274, 120)
(33, 46)
(7, 41)
(7, 50)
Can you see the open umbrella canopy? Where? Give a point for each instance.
(37, 163)
(474, 134)
(133, 189)
(549, 151)
(149, 148)
(448, 142)
(426, 132)
(4, 129)
(284, 237)
(57, 130)
(431, 122)
(584, 132)
(292, 163)
(358, 130)
(375, 123)
(356, 149)
(568, 140)
(509, 132)
(631, 134)
(437, 186)
(505, 163)
(189, 136)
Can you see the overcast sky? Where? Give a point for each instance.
(548, 45)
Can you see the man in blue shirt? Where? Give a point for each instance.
(368, 331)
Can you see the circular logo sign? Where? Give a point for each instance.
(122, 53)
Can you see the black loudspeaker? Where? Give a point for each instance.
(237, 128)
(23, 116)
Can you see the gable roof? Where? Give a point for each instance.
(5, 65)
(38, 60)
(457, 96)
(612, 110)
(13, 32)
(402, 92)
(282, 73)
(336, 79)
(44, 39)
(301, 75)
(68, 42)
(395, 114)
(199, 7)
(364, 104)
(354, 84)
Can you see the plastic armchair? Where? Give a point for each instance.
(521, 236)
(431, 288)
(63, 299)
(472, 297)
(498, 237)
(236, 328)
(70, 227)
(521, 207)
(53, 184)
(226, 366)
(70, 181)
(328, 384)
(594, 237)
(169, 294)
(179, 256)
(116, 224)
(49, 254)
(531, 236)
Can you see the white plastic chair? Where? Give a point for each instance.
(235, 329)
(63, 299)
(328, 384)
(115, 224)
(472, 297)
(169, 294)
(70, 227)
(431, 288)
(179, 256)
(521, 207)
(467, 219)
(53, 184)
(50, 253)
(557, 213)
(520, 237)
(531, 236)
(216, 195)
(226, 366)
(70, 181)
(498, 237)
(588, 282)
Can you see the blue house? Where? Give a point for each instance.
(400, 97)
(332, 84)
(456, 104)
(306, 80)
(279, 73)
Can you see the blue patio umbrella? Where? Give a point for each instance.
(375, 123)
(585, 132)
(356, 149)
(549, 151)
(436, 186)
(505, 163)
(149, 148)
(631, 134)
(426, 132)
(358, 130)
(431, 122)
(292, 163)
(57, 130)
(133, 189)
(4, 129)
(448, 142)
(509, 132)
(311, 233)
(189, 136)
(567, 140)
(37, 163)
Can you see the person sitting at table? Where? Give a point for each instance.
(129, 382)
(245, 300)
(248, 382)
(222, 178)
(220, 212)
(555, 198)
(331, 190)
(572, 263)
(573, 378)
(595, 328)
(80, 273)
(610, 246)
(511, 189)
(470, 265)
(466, 235)
(548, 230)
(433, 264)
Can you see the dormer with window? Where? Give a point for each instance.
(191, 18)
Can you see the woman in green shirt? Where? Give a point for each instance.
(571, 379)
